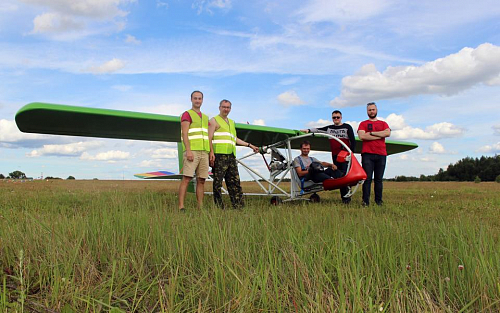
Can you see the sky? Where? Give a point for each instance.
(432, 67)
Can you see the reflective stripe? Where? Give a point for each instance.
(224, 141)
(196, 137)
(220, 134)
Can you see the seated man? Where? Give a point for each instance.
(303, 162)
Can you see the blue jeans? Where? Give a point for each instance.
(374, 166)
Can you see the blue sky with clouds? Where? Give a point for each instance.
(432, 67)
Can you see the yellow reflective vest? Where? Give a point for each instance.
(224, 140)
(198, 132)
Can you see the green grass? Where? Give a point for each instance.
(123, 247)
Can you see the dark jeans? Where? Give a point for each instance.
(374, 165)
(342, 167)
(327, 174)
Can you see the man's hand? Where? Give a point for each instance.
(189, 156)
(212, 158)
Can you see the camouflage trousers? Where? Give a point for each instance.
(225, 167)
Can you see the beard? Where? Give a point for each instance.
(372, 115)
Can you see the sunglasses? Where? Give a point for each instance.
(336, 117)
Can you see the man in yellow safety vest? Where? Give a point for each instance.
(194, 135)
(223, 141)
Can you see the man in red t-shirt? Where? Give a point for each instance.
(373, 153)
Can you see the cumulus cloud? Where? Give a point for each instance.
(495, 148)
(131, 39)
(341, 11)
(109, 156)
(12, 137)
(150, 163)
(259, 122)
(71, 149)
(400, 130)
(55, 23)
(319, 123)
(164, 153)
(290, 98)
(64, 15)
(437, 148)
(108, 67)
(446, 76)
(496, 129)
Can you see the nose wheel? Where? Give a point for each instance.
(314, 198)
(275, 200)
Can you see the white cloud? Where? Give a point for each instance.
(437, 148)
(496, 129)
(290, 98)
(207, 5)
(101, 9)
(161, 4)
(446, 76)
(400, 130)
(341, 11)
(259, 122)
(164, 153)
(151, 164)
(55, 23)
(495, 148)
(108, 67)
(9, 133)
(131, 39)
(113, 155)
(71, 149)
(319, 123)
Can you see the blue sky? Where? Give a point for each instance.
(432, 67)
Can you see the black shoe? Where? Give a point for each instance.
(364, 204)
(380, 203)
(346, 201)
(182, 210)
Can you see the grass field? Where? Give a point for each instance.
(122, 246)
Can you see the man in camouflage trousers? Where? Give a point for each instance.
(223, 140)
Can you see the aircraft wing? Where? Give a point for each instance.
(56, 119)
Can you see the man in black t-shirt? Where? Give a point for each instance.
(346, 134)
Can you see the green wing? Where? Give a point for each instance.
(45, 118)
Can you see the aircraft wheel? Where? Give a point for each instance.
(275, 200)
(314, 198)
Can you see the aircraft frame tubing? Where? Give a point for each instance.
(295, 192)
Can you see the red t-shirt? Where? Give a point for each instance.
(373, 146)
(186, 117)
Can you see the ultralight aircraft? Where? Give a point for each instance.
(56, 119)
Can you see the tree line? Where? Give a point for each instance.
(466, 169)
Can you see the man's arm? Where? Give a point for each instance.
(316, 130)
(366, 136)
(212, 127)
(185, 139)
(383, 133)
(247, 144)
(301, 172)
(326, 164)
(352, 140)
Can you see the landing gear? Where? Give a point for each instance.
(314, 198)
(275, 200)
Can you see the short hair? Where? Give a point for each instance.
(305, 143)
(196, 92)
(371, 103)
(337, 111)
(225, 101)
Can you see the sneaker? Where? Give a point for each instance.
(380, 203)
(364, 204)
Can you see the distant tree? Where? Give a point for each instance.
(477, 180)
(1, 176)
(95, 178)
(70, 177)
(17, 175)
(497, 179)
(50, 177)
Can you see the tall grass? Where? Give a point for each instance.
(124, 247)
